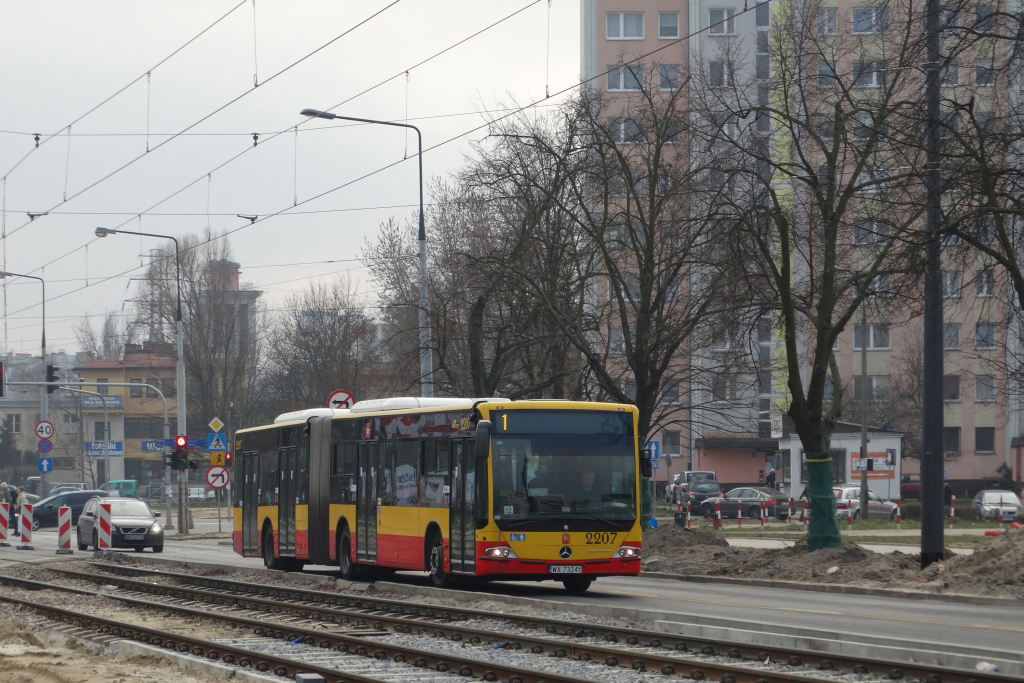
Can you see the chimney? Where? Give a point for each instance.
(224, 274)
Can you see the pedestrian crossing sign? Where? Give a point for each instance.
(216, 442)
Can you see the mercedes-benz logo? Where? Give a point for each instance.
(565, 553)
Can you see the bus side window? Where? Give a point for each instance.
(301, 475)
(435, 473)
(406, 473)
(385, 479)
(268, 477)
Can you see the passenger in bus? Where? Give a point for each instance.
(541, 478)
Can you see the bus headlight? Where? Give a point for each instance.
(502, 552)
(628, 552)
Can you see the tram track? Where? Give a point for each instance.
(311, 614)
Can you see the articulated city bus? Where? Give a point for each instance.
(489, 488)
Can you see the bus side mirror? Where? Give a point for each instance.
(646, 466)
(483, 438)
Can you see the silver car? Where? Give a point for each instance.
(848, 503)
(989, 502)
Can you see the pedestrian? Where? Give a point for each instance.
(5, 495)
(769, 477)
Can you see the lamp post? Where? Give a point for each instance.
(44, 397)
(426, 361)
(182, 427)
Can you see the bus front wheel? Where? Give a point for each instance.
(269, 561)
(345, 565)
(438, 576)
(576, 584)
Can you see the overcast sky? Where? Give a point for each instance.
(58, 60)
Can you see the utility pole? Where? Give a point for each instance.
(931, 459)
(864, 409)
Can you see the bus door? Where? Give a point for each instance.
(250, 499)
(286, 504)
(366, 501)
(461, 521)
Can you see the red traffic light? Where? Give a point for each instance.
(181, 442)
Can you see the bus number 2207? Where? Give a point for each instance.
(600, 538)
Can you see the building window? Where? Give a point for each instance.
(985, 336)
(826, 74)
(985, 283)
(626, 131)
(152, 382)
(867, 232)
(670, 395)
(15, 420)
(870, 19)
(723, 388)
(147, 427)
(721, 22)
(880, 285)
(763, 120)
(828, 23)
(668, 77)
(616, 341)
(63, 463)
(135, 392)
(951, 285)
(984, 439)
(101, 387)
(878, 336)
(763, 15)
(951, 336)
(625, 78)
(168, 387)
(668, 24)
(949, 76)
(765, 328)
(984, 19)
(878, 387)
(984, 74)
(870, 74)
(670, 442)
(70, 423)
(97, 430)
(719, 73)
(984, 389)
(625, 25)
(951, 387)
(762, 67)
(629, 389)
(951, 439)
(986, 122)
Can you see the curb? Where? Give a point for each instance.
(838, 588)
(130, 647)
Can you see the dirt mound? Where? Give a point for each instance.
(670, 536)
(995, 568)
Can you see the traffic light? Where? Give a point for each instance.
(51, 376)
(228, 460)
(180, 453)
(193, 464)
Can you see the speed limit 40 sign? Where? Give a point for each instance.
(44, 429)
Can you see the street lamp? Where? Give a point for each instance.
(44, 399)
(103, 232)
(426, 361)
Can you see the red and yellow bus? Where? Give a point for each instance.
(495, 489)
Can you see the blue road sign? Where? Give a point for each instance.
(653, 446)
(46, 465)
(216, 442)
(655, 464)
(45, 445)
(157, 445)
(97, 449)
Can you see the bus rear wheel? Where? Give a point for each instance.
(438, 576)
(345, 565)
(269, 561)
(577, 584)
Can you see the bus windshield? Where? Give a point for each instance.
(553, 466)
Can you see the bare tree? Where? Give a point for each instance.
(115, 332)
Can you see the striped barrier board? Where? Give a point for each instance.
(25, 521)
(103, 542)
(64, 528)
(5, 522)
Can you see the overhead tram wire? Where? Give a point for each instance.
(215, 111)
(128, 85)
(275, 135)
(515, 111)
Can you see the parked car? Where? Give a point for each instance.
(45, 511)
(197, 494)
(747, 501)
(132, 525)
(910, 486)
(701, 491)
(62, 488)
(124, 487)
(990, 501)
(848, 503)
(681, 482)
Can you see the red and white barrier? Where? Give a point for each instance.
(25, 522)
(952, 511)
(718, 514)
(764, 509)
(789, 512)
(739, 515)
(103, 542)
(1000, 510)
(64, 530)
(5, 522)
(806, 515)
(687, 515)
(849, 519)
(899, 511)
